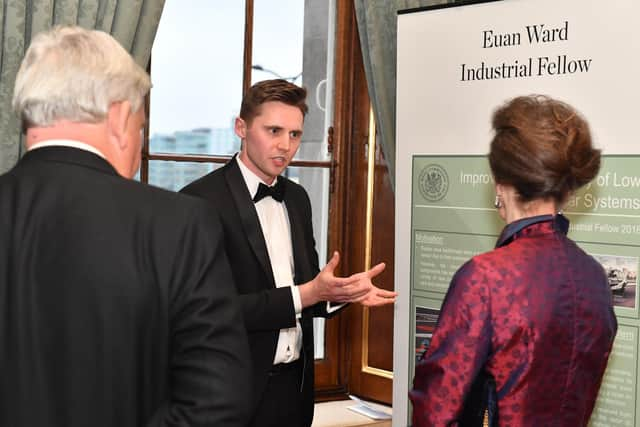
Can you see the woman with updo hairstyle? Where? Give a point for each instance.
(525, 330)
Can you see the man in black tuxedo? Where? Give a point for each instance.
(269, 242)
(117, 305)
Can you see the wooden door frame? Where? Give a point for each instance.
(345, 369)
(332, 372)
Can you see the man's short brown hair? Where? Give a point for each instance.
(277, 90)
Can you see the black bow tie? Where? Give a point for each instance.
(275, 191)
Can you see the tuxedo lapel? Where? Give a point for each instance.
(296, 222)
(248, 216)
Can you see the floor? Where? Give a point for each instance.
(338, 414)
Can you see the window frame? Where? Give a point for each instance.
(330, 381)
(343, 368)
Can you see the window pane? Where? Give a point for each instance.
(196, 141)
(298, 51)
(277, 40)
(175, 175)
(316, 182)
(196, 69)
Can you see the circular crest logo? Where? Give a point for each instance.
(433, 182)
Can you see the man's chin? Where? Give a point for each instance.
(277, 171)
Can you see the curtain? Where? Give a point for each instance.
(132, 22)
(377, 27)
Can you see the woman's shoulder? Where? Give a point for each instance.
(487, 260)
(485, 267)
(476, 265)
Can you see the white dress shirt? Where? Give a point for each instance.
(276, 229)
(67, 143)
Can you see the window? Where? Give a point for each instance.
(203, 56)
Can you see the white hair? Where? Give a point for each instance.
(70, 73)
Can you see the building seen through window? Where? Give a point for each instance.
(175, 175)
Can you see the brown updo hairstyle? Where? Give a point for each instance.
(542, 147)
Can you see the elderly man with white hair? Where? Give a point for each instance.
(117, 306)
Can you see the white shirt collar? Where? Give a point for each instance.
(70, 143)
(250, 178)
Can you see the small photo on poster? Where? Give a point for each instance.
(426, 319)
(622, 273)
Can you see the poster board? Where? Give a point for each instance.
(456, 64)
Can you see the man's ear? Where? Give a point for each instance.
(240, 128)
(117, 122)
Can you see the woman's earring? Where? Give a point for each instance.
(498, 202)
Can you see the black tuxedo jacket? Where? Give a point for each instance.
(117, 306)
(266, 308)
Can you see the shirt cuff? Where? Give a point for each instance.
(297, 301)
(331, 307)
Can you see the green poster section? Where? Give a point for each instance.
(453, 219)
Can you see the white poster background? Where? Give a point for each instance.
(437, 113)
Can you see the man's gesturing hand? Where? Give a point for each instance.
(375, 296)
(355, 288)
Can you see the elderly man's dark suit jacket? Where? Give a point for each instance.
(117, 306)
(266, 308)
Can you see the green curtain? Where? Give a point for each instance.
(132, 22)
(377, 26)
